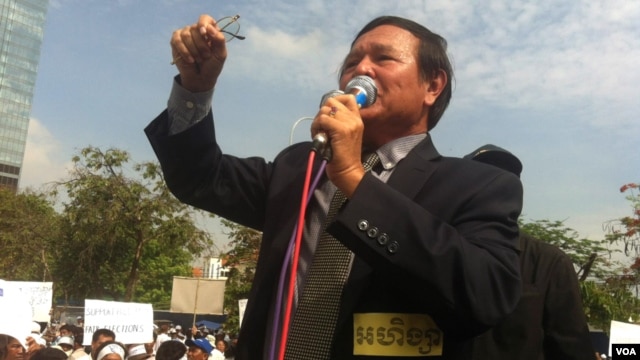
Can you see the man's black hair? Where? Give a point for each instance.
(171, 350)
(103, 332)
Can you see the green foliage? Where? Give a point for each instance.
(28, 234)
(157, 269)
(604, 301)
(123, 238)
(241, 260)
(120, 235)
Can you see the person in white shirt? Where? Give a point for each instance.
(162, 337)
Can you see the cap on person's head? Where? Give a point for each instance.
(496, 156)
(35, 327)
(65, 340)
(138, 352)
(201, 343)
(178, 327)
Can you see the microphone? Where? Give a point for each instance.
(365, 91)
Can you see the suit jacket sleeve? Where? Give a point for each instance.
(199, 174)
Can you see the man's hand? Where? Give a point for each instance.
(339, 118)
(33, 345)
(199, 52)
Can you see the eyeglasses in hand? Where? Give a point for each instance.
(229, 27)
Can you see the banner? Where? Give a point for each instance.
(15, 312)
(131, 322)
(197, 295)
(39, 295)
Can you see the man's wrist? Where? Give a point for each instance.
(186, 108)
(195, 85)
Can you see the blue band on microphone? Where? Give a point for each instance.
(361, 98)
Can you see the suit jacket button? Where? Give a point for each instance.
(393, 247)
(372, 232)
(383, 239)
(363, 225)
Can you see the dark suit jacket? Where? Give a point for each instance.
(450, 230)
(549, 321)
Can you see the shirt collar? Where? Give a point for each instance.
(392, 152)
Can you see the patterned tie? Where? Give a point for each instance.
(314, 322)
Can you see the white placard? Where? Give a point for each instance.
(15, 312)
(131, 322)
(623, 333)
(39, 295)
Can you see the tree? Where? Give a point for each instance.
(627, 228)
(609, 299)
(241, 260)
(28, 229)
(123, 238)
(613, 298)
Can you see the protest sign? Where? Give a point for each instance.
(197, 295)
(39, 295)
(623, 333)
(131, 322)
(15, 312)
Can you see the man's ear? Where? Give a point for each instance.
(434, 86)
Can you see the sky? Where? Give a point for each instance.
(555, 82)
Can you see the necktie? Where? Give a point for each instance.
(313, 325)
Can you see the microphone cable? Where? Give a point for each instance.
(292, 258)
(365, 91)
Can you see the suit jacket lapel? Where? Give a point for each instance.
(414, 170)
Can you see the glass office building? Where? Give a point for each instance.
(21, 33)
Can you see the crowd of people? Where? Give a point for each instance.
(168, 342)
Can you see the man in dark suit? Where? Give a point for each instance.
(549, 321)
(433, 240)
